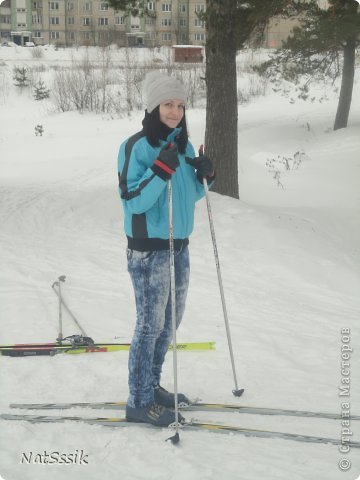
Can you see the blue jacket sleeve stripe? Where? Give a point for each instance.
(140, 187)
(129, 195)
(125, 194)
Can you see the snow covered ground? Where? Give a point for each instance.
(290, 257)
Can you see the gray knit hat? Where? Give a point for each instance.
(159, 88)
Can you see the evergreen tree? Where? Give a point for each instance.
(21, 77)
(130, 7)
(41, 91)
(325, 40)
(229, 26)
(221, 99)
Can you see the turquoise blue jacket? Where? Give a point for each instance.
(144, 194)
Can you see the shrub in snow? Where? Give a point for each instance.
(39, 130)
(40, 91)
(276, 166)
(37, 52)
(21, 77)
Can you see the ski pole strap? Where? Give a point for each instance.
(162, 165)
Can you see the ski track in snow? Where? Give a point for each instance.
(290, 266)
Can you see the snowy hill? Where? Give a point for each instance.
(290, 257)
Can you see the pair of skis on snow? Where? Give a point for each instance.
(68, 347)
(81, 343)
(192, 425)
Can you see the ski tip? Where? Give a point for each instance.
(239, 392)
(175, 439)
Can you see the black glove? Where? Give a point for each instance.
(203, 166)
(167, 162)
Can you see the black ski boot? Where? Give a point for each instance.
(167, 399)
(155, 414)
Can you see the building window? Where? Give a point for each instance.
(103, 21)
(55, 35)
(20, 10)
(151, 6)
(70, 6)
(182, 8)
(21, 25)
(37, 5)
(166, 7)
(36, 19)
(200, 7)
(71, 36)
(71, 20)
(54, 5)
(104, 36)
(54, 20)
(149, 21)
(87, 35)
(199, 37)
(119, 20)
(166, 37)
(166, 22)
(37, 34)
(87, 7)
(5, 19)
(182, 22)
(199, 23)
(104, 6)
(86, 21)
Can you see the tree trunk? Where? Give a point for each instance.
(221, 135)
(347, 82)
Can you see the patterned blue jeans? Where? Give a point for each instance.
(150, 275)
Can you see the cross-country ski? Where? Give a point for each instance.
(51, 349)
(191, 426)
(192, 407)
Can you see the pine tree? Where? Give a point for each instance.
(221, 100)
(20, 77)
(41, 91)
(325, 39)
(229, 26)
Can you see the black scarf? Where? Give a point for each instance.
(155, 130)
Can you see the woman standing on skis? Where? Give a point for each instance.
(146, 161)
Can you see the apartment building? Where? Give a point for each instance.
(5, 20)
(94, 22)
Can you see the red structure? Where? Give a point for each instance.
(188, 53)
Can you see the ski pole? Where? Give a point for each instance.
(62, 302)
(176, 438)
(60, 279)
(236, 392)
